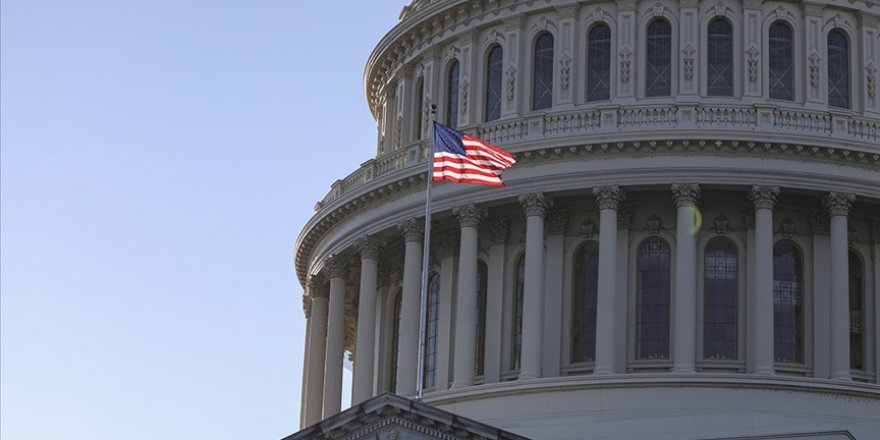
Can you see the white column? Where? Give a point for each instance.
(535, 205)
(497, 231)
(304, 391)
(469, 218)
(555, 223)
(839, 205)
(410, 307)
(764, 198)
(445, 248)
(362, 385)
(684, 328)
(338, 266)
(608, 198)
(317, 350)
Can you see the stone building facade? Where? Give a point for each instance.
(688, 246)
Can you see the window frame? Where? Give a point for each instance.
(487, 66)
(795, 60)
(850, 96)
(533, 86)
(634, 364)
(673, 59)
(571, 320)
(588, 63)
(735, 57)
(723, 365)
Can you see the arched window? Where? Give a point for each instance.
(788, 303)
(856, 313)
(542, 87)
(586, 288)
(431, 312)
(652, 299)
(420, 104)
(658, 59)
(838, 69)
(452, 95)
(599, 63)
(395, 342)
(781, 54)
(719, 52)
(720, 291)
(482, 289)
(493, 83)
(518, 311)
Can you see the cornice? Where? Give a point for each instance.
(395, 184)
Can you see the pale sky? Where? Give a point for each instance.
(157, 161)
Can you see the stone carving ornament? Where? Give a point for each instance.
(412, 229)
(556, 221)
(464, 95)
(511, 81)
(565, 63)
(535, 204)
(609, 196)
(871, 80)
(685, 194)
(497, 230)
(753, 54)
(688, 61)
(763, 197)
(814, 69)
(625, 61)
(839, 203)
(469, 215)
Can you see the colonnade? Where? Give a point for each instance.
(322, 387)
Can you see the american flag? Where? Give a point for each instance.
(459, 157)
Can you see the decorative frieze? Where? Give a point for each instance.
(535, 204)
(469, 215)
(497, 231)
(412, 229)
(556, 221)
(368, 246)
(685, 194)
(763, 197)
(839, 203)
(609, 196)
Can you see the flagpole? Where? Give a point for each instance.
(426, 252)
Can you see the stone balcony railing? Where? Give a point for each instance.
(667, 121)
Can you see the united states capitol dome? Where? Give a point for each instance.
(688, 246)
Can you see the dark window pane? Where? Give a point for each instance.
(431, 315)
(781, 65)
(599, 63)
(518, 312)
(652, 300)
(482, 286)
(452, 95)
(658, 61)
(788, 300)
(856, 313)
(542, 89)
(586, 288)
(720, 300)
(719, 65)
(838, 69)
(493, 84)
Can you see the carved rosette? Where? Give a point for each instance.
(839, 203)
(412, 229)
(469, 216)
(318, 286)
(368, 246)
(535, 204)
(556, 221)
(497, 230)
(685, 194)
(446, 244)
(609, 196)
(337, 266)
(763, 197)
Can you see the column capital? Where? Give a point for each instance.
(307, 306)
(685, 194)
(555, 221)
(412, 229)
(535, 204)
(368, 246)
(839, 203)
(763, 197)
(469, 215)
(446, 244)
(337, 265)
(609, 196)
(497, 231)
(318, 286)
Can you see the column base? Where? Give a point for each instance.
(603, 371)
(525, 375)
(765, 371)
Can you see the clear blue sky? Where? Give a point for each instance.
(158, 161)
